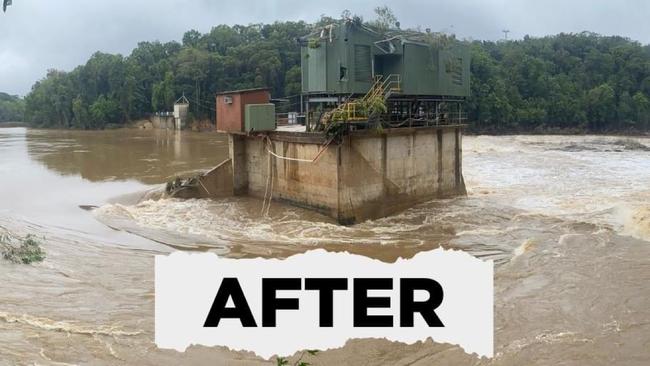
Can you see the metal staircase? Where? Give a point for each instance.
(357, 110)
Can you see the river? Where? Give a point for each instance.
(565, 218)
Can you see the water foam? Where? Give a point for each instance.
(61, 326)
(638, 223)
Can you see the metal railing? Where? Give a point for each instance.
(289, 118)
(433, 119)
(384, 86)
(355, 110)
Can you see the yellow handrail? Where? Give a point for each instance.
(381, 86)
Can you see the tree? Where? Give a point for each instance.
(191, 38)
(104, 111)
(163, 94)
(642, 109)
(293, 81)
(82, 118)
(386, 19)
(191, 72)
(12, 108)
(601, 106)
(625, 110)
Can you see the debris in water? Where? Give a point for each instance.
(88, 207)
(183, 188)
(26, 252)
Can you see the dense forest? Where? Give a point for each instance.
(12, 108)
(580, 82)
(570, 82)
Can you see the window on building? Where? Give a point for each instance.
(343, 73)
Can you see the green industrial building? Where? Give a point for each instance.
(426, 76)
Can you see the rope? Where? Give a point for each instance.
(268, 192)
(266, 189)
(201, 183)
(320, 152)
(268, 207)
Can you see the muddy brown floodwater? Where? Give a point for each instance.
(566, 220)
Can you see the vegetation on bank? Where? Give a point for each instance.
(570, 82)
(12, 108)
(281, 361)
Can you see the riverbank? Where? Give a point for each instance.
(13, 124)
(207, 125)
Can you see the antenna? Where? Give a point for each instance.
(505, 33)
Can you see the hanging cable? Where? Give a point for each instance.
(316, 158)
(268, 192)
(268, 180)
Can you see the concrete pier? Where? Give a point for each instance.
(369, 175)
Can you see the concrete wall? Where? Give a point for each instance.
(216, 183)
(311, 185)
(163, 122)
(380, 175)
(367, 176)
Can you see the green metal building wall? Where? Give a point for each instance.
(424, 70)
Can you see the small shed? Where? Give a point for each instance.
(181, 110)
(231, 107)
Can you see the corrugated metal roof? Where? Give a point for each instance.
(243, 91)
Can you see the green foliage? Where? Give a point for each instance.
(112, 89)
(104, 111)
(601, 104)
(12, 108)
(641, 108)
(439, 41)
(385, 20)
(582, 81)
(293, 81)
(29, 251)
(191, 38)
(281, 361)
(81, 115)
(374, 106)
(163, 96)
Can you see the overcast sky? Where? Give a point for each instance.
(36, 35)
